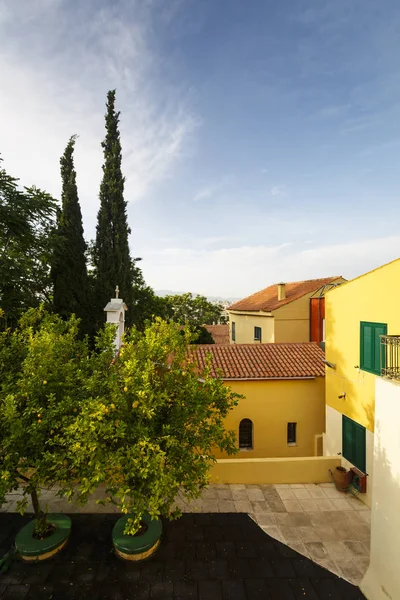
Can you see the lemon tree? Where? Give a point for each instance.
(43, 368)
(150, 425)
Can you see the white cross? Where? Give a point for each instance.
(116, 291)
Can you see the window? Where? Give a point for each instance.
(370, 358)
(246, 435)
(257, 333)
(353, 443)
(292, 434)
(233, 332)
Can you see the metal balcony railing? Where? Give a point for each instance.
(390, 356)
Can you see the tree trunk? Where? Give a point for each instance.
(40, 516)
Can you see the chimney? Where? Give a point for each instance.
(281, 291)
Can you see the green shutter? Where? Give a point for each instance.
(366, 350)
(354, 443)
(370, 351)
(359, 447)
(379, 329)
(347, 446)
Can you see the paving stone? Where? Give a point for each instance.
(227, 506)
(279, 589)
(290, 534)
(256, 589)
(260, 506)
(316, 550)
(196, 570)
(292, 505)
(255, 494)
(275, 533)
(174, 570)
(240, 494)
(348, 569)
(15, 592)
(357, 549)
(265, 519)
(185, 591)
(286, 494)
(162, 591)
(316, 492)
(224, 494)
(210, 590)
(336, 550)
(303, 589)
(233, 590)
(40, 592)
(226, 549)
(219, 569)
(298, 519)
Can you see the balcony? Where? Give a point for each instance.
(390, 356)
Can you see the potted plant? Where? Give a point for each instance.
(342, 478)
(42, 368)
(147, 431)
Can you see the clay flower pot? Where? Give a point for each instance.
(342, 478)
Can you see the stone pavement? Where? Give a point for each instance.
(201, 557)
(331, 528)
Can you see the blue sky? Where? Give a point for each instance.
(260, 138)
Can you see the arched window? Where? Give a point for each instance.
(246, 435)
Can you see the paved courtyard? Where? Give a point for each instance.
(315, 520)
(201, 557)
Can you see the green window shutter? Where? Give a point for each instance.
(379, 329)
(370, 351)
(354, 443)
(366, 349)
(359, 447)
(347, 446)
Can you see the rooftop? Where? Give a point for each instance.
(220, 333)
(263, 361)
(267, 299)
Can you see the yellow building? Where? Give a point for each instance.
(357, 314)
(282, 413)
(284, 312)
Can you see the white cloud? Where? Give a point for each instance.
(243, 270)
(55, 76)
(278, 190)
(209, 191)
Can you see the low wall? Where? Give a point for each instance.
(312, 469)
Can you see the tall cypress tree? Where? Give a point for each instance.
(69, 272)
(112, 261)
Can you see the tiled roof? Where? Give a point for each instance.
(220, 333)
(262, 361)
(267, 299)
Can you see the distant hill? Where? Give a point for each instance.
(163, 293)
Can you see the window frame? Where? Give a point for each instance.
(246, 421)
(374, 325)
(291, 443)
(255, 337)
(233, 331)
(352, 455)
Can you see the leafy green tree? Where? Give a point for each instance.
(113, 264)
(151, 426)
(43, 369)
(201, 335)
(193, 310)
(69, 272)
(27, 223)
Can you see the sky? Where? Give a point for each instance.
(261, 139)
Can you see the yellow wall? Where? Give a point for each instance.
(371, 297)
(245, 323)
(270, 405)
(275, 470)
(292, 321)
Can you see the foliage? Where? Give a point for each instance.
(43, 368)
(194, 310)
(111, 255)
(27, 221)
(150, 425)
(69, 273)
(201, 335)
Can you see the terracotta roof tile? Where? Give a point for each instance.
(267, 299)
(220, 333)
(262, 361)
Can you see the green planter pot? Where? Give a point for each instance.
(137, 547)
(31, 549)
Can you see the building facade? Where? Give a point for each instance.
(282, 412)
(282, 313)
(357, 313)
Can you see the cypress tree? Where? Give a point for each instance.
(111, 256)
(69, 271)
